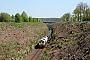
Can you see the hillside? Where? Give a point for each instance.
(70, 41)
(19, 39)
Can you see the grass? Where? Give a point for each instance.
(85, 39)
(44, 57)
(9, 49)
(54, 36)
(6, 48)
(20, 25)
(71, 39)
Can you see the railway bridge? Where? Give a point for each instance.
(49, 21)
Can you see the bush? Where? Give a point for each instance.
(18, 18)
(4, 17)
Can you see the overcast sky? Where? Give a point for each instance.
(40, 8)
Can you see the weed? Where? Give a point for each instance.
(43, 57)
(59, 45)
(54, 35)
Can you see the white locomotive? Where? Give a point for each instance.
(43, 41)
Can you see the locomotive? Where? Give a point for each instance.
(43, 41)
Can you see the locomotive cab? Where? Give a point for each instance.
(41, 43)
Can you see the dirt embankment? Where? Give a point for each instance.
(71, 41)
(18, 39)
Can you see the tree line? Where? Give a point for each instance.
(5, 17)
(80, 13)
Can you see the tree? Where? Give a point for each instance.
(81, 11)
(24, 17)
(76, 13)
(12, 18)
(62, 18)
(4, 17)
(88, 11)
(39, 20)
(35, 19)
(30, 19)
(65, 17)
(18, 18)
(87, 15)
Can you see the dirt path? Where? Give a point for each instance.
(34, 55)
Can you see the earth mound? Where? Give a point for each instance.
(70, 41)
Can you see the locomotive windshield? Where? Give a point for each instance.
(41, 41)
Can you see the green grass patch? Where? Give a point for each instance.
(46, 53)
(9, 49)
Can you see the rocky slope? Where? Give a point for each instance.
(70, 41)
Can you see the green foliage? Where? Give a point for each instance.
(18, 18)
(39, 20)
(30, 19)
(36, 20)
(54, 35)
(65, 17)
(44, 56)
(12, 18)
(24, 17)
(81, 12)
(59, 45)
(88, 10)
(4, 17)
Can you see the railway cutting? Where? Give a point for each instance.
(40, 47)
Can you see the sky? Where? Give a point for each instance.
(40, 8)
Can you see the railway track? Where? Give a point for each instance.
(35, 54)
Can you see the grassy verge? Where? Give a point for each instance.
(13, 48)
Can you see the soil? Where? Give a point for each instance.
(70, 41)
(18, 39)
